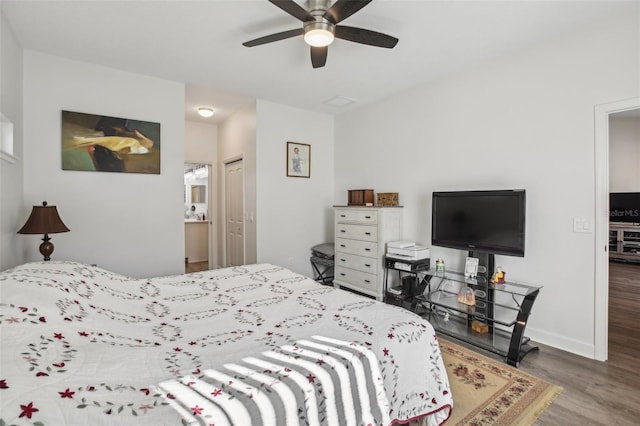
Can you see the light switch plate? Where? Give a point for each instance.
(581, 225)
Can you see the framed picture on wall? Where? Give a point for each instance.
(99, 143)
(298, 159)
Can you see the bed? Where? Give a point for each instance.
(85, 346)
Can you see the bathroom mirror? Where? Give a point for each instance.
(198, 194)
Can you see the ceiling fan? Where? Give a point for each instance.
(320, 27)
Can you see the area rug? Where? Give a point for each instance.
(488, 392)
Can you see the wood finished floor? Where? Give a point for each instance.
(196, 267)
(595, 393)
(598, 393)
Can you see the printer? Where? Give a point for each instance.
(407, 250)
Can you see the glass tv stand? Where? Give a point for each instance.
(497, 320)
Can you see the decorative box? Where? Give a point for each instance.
(360, 197)
(387, 198)
(479, 327)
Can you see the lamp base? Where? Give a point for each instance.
(46, 248)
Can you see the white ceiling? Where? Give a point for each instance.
(199, 42)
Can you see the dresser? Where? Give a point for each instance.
(360, 245)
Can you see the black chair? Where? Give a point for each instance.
(322, 261)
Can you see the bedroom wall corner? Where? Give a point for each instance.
(129, 223)
(11, 167)
(294, 213)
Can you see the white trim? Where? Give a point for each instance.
(6, 140)
(8, 157)
(601, 308)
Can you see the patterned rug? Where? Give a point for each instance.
(488, 392)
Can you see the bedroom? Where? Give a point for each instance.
(542, 97)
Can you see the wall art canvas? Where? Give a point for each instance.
(109, 144)
(298, 159)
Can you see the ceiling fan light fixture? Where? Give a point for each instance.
(318, 34)
(205, 112)
(318, 38)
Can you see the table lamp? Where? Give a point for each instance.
(44, 220)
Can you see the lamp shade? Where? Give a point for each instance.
(44, 219)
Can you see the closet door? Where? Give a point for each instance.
(234, 213)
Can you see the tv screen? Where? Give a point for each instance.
(486, 221)
(624, 207)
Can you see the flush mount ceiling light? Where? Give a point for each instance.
(205, 112)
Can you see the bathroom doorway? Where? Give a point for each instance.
(198, 223)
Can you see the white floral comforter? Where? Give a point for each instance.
(84, 346)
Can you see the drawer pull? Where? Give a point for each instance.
(344, 275)
(367, 233)
(367, 265)
(367, 249)
(367, 217)
(343, 260)
(342, 245)
(343, 215)
(367, 281)
(343, 231)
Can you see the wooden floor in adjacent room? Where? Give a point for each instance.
(598, 393)
(196, 267)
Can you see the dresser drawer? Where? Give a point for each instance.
(356, 279)
(359, 263)
(361, 248)
(359, 216)
(357, 232)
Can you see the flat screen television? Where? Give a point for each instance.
(624, 207)
(480, 221)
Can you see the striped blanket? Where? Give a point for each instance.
(317, 381)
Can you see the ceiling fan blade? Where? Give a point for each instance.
(360, 35)
(342, 9)
(293, 9)
(319, 56)
(274, 37)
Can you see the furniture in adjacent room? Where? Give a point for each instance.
(624, 242)
(496, 320)
(196, 239)
(361, 234)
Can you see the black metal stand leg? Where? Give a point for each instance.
(517, 350)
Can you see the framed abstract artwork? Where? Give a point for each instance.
(100, 143)
(298, 159)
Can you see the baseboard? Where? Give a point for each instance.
(564, 343)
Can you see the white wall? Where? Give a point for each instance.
(11, 181)
(124, 222)
(294, 214)
(201, 142)
(522, 121)
(624, 154)
(237, 140)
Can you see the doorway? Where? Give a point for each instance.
(234, 213)
(198, 205)
(602, 117)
